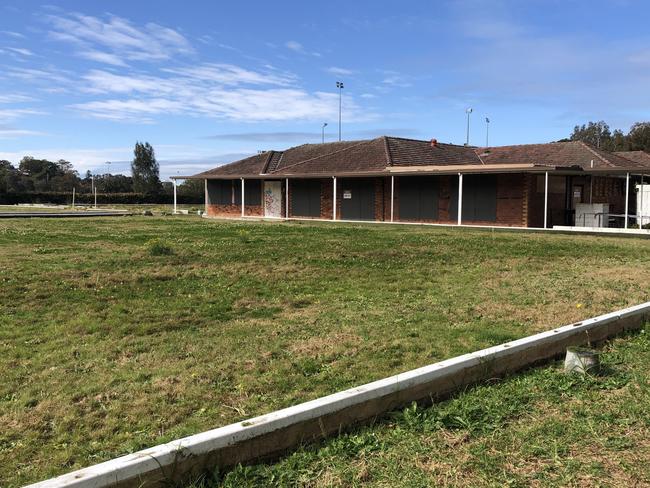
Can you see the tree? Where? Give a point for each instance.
(639, 137)
(6, 172)
(193, 189)
(597, 134)
(145, 170)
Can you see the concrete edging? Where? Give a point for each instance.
(271, 434)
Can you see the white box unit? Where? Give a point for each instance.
(592, 215)
(643, 204)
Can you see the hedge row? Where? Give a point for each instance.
(60, 198)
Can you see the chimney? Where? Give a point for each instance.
(434, 142)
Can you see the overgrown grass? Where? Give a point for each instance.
(539, 428)
(106, 348)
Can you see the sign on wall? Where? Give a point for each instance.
(347, 194)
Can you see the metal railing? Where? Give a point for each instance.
(618, 220)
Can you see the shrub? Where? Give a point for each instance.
(158, 247)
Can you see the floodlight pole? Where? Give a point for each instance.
(340, 86)
(468, 112)
(487, 132)
(323, 133)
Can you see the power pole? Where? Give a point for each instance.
(339, 85)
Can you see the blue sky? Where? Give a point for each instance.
(207, 82)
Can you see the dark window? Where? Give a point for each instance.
(252, 192)
(220, 192)
(418, 198)
(357, 199)
(479, 198)
(305, 198)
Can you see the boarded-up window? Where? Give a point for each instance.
(358, 199)
(252, 192)
(305, 198)
(479, 198)
(556, 184)
(219, 192)
(418, 198)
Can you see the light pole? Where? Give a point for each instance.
(468, 112)
(323, 132)
(339, 85)
(487, 132)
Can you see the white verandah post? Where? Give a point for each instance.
(334, 201)
(627, 197)
(242, 197)
(206, 196)
(286, 198)
(392, 197)
(546, 200)
(174, 180)
(460, 198)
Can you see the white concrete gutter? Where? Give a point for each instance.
(272, 434)
(602, 230)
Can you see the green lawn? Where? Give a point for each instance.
(109, 345)
(539, 428)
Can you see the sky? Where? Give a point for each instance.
(208, 82)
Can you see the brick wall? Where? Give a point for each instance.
(234, 210)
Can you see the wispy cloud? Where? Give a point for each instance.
(299, 48)
(15, 98)
(9, 132)
(17, 50)
(115, 40)
(335, 70)
(227, 74)
(15, 35)
(396, 79)
(209, 90)
(268, 136)
(15, 113)
(239, 104)
(306, 137)
(295, 46)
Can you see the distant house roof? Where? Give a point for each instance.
(391, 155)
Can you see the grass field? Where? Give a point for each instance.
(117, 334)
(540, 428)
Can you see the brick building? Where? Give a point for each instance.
(404, 180)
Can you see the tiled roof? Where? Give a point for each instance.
(339, 157)
(410, 152)
(555, 155)
(253, 165)
(383, 154)
(373, 155)
(642, 158)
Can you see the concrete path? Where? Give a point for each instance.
(26, 215)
